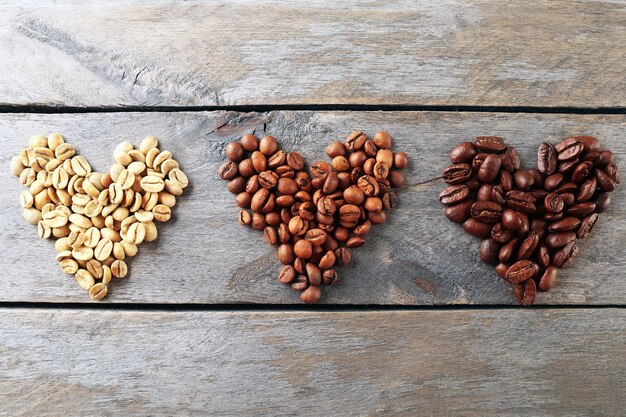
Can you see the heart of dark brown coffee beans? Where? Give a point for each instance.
(529, 219)
(315, 218)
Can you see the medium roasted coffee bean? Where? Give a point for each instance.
(489, 249)
(355, 141)
(552, 217)
(400, 160)
(508, 250)
(546, 159)
(234, 151)
(287, 274)
(581, 210)
(368, 166)
(363, 228)
(528, 246)
(268, 145)
(276, 160)
(244, 217)
(307, 211)
(285, 200)
(268, 179)
(548, 279)
(349, 213)
(370, 148)
(285, 171)
(262, 201)
(295, 160)
(301, 283)
(525, 292)
(246, 169)
(303, 249)
(298, 226)
(299, 264)
(320, 169)
(396, 179)
(243, 200)
(510, 160)
(373, 204)
(327, 260)
(357, 159)
(521, 201)
(604, 181)
(501, 234)
(457, 173)
(377, 217)
(341, 234)
(523, 179)
(486, 211)
(381, 170)
(586, 226)
(249, 142)
(252, 185)
(581, 172)
(286, 255)
(491, 144)
(353, 195)
(489, 169)
(283, 233)
(259, 161)
(564, 257)
(382, 140)
(559, 239)
(458, 213)
(335, 148)
(331, 183)
(273, 219)
(543, 256)
(476, 228)
(236, 185)
(330, 277)
(258, 221)
(326, 206)
(553, 203)
(565, 225)
(602, 202)
(587, 190)
(521, 271)
(227, 171)
(389, 200)
(463, 152)
(355, 242)
(453, 194)
(569, 149)
(369, 185)
(342, 256)
(314, 274)
(271, 235)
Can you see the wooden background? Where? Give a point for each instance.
(200, 326)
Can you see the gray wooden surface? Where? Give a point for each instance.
(205, 256)
(420, 363)
(172, 53)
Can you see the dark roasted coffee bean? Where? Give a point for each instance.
(581, 172)
(236, 185)
(489, 249)
(602, 202)
(476, 228)
(523, 179)
(539, 195)
(510, 160)
(565, 225)
(553, 182)
(453, 194)
(568, 166)
(586, 225)
(538, 226)
(568, 187)
(489, 169)
(512, 220)
(478, 161)
(520, 201)
(287, 274)
(501, 269)
(501, 234)
(604, 181)
(552, 217)
(559, 239)
(463, 152)
(543, 256)
(484, 192)
(590, 156)
(525, 292)
(342, 256)
(521, 270)
(568, 199)
(506, 181)
(605, 157)
(537, 177)
(497, 195)
(458, 213)
(528, 246)
(587, 190)
(491, 144)
(546, 159)
(486, 211)
(473, 184)
(228, 170)
(548, 279)
(564, 257)
(612, 172)
(581, 210)
(589, 143)
(457, 173)
(508, 250)
(553, 203)
(569, 149)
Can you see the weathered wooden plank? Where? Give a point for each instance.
(452, 363)
(453, 52)
(204, 256)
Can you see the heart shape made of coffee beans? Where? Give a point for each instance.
(314, 218)
(529, 220)
(98, 219)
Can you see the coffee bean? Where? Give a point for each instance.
(355, 141)
(512, 220)
(243, 200)
(463, 152)
(234, 151)
(342, 256)
(287, 274)
(523, 180)
(497, 195)
(259, 161)
(501, 234)
(271, 235)
(604, 181)
(453, 194)
(543, 256)
(581, 210)
(559, 239)
(569, 149)
(489, 169)
(227, 171)
(546, 159)
(510, 160)
(565, 225)
(508, 250)
(525, 292)
(528, 246)
(400, 160)
(564, 257)
(268, 179)
(389, 200)
(568, 199)
(521, 271)
(458, 213)
(286, 254)
(349, 213)
(236, 185)
(604, 158)
(568, 187)
(521, 201)
(396, 179)
(602, 202)
(457, 173)
(489, 249)
(581, 172)
(249, 142)
(548, 279)
(330, 277)
(300, 283)
(492, 144)
(587, 190)
(476, 228)
(303, 249)
(553, 182)
(277, 160)
(501, 269)
(298, 226)
(553, 203)
(484, 192)
(612, 172)
(567, 167)
(486, 211)
(587, 224)
(331, 182)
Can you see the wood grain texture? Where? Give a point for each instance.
(452, 52)
(204, 256)
(448, 363)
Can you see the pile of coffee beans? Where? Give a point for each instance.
(314, 217)
(529, 218)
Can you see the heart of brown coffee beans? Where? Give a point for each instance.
(316, 217)
(529, 219)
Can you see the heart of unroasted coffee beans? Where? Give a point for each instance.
(529, 220)
(98, 219)
(316, 217)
